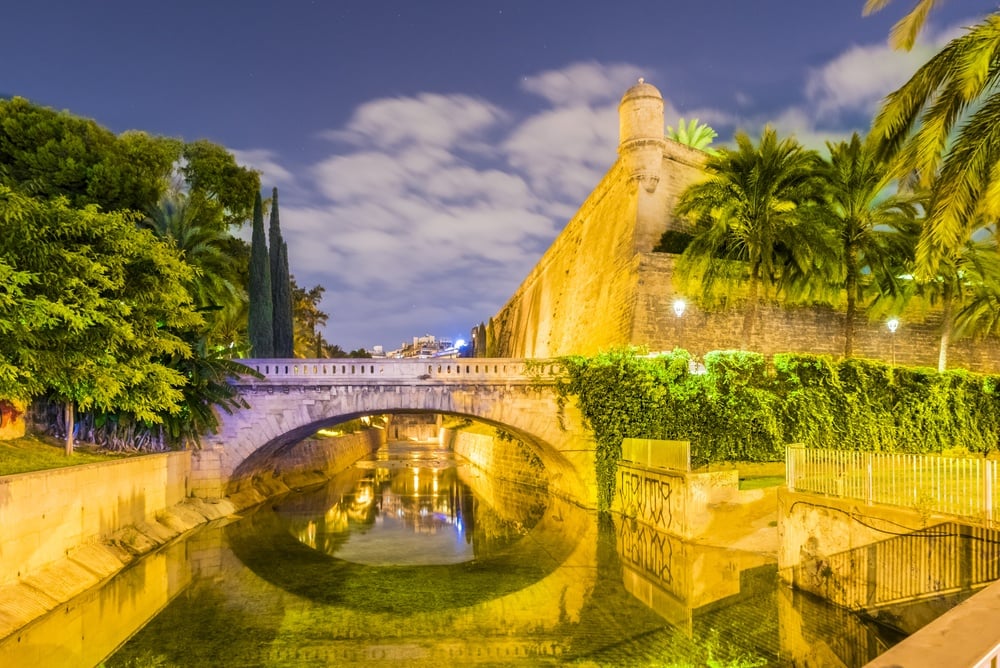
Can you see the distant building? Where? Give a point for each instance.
(424, 347)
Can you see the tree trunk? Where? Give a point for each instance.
(751, 313)
(947, 318)
(851, 285)
(69, 428)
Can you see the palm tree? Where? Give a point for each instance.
(966, 288)
(755, 221)
(209, 249)
(874, 229)
(904, 33)
(943, 127)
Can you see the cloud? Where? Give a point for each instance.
(858, 79)
(583, 83)
(265, 162)
(427, 119)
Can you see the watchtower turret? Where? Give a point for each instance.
(641, 137)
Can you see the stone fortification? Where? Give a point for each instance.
(600, 286)
(580, 298)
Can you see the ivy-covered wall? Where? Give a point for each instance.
(744, 408)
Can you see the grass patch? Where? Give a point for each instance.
(37, 453)
(762, 482)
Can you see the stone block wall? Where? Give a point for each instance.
(45, 514)
(806, 329)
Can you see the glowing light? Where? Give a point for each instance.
(459, 343)
(679, 306)
(893, 325)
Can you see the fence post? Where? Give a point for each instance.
(868, 478)
(790, 466)
(989, 466)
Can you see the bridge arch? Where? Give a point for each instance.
(295, 398)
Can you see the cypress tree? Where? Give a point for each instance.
(281, 289)
(284, 320)
(260, 325)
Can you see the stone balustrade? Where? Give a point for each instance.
(404, 371)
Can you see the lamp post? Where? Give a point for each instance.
(679, 306)
(893, 325)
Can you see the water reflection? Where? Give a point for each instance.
(415, 559)
(414, 510)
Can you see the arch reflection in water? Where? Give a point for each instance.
(413, 528)
(415, 510)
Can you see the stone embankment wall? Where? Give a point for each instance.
(66, 530)
(308, 462)
(46, 513)
(513, 483)
(861, 557)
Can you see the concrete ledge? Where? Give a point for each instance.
(966, 636)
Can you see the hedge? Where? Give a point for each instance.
(744, 408)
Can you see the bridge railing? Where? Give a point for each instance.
(418, 370)
(962, 486)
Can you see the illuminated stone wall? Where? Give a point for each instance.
(581, 296)
(600, 286)
(47, 513)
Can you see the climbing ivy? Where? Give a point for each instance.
(743, 408)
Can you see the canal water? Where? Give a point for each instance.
(416, 559)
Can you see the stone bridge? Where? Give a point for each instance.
(296, 397)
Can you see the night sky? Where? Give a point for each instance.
(428, 152)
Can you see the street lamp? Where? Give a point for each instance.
(679, 306)
(893, 325)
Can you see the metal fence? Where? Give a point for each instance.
(962, 486)
(658, 453)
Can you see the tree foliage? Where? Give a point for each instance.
(875, 229)
(941, 126)
(49, 154)
(98, 305)
(694, 134)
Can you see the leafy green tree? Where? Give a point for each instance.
(49, 154)
(281, 292)
(967, 280)
(694, 134)
(260, 326)
(875, 229)
(100, 305)
(943, 127)
(213, 175)
(756, 222)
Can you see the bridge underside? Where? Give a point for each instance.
(282, 416)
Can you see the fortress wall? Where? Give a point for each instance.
(578, 297)
(816, 329)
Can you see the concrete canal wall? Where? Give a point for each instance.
(45, 514)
